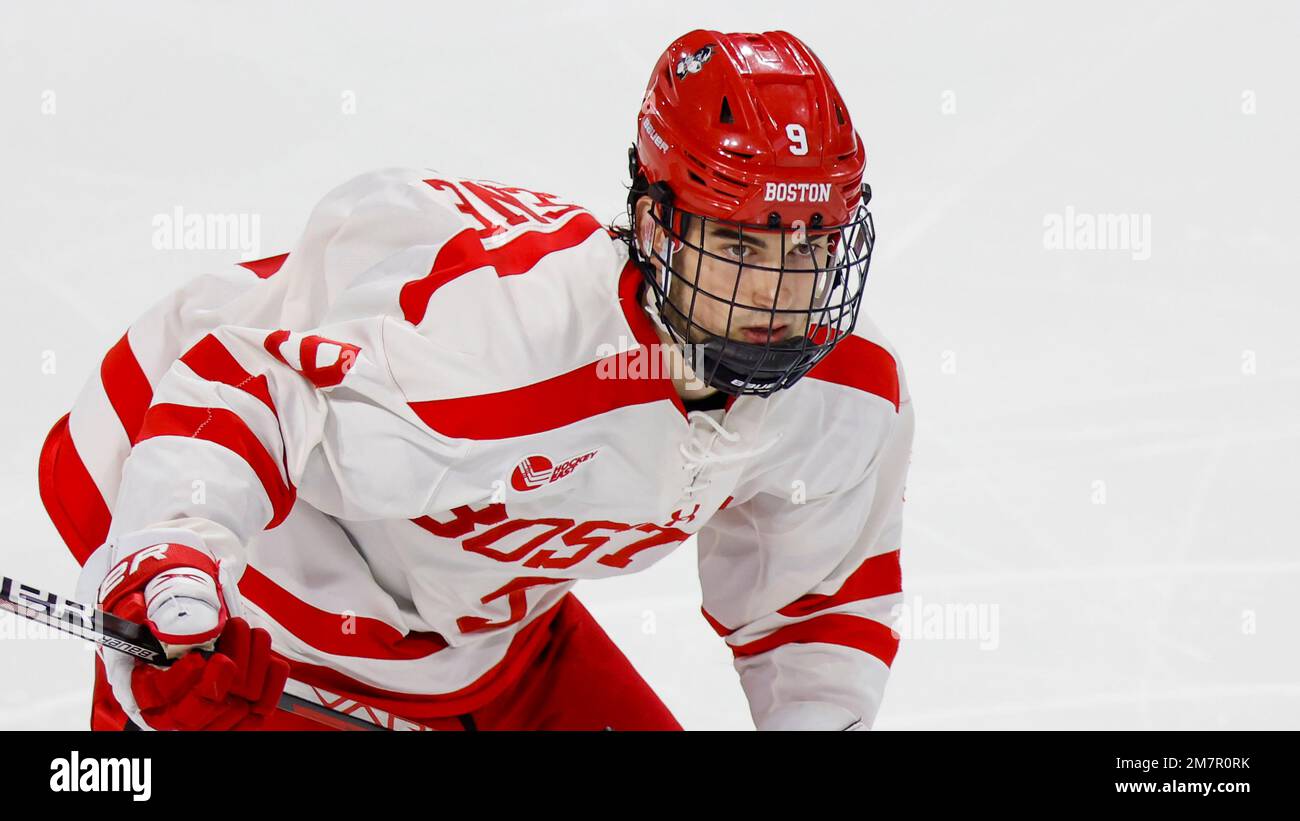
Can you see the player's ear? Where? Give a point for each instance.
(650, 232)
(646, 229)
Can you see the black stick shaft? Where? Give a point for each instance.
(124, 636)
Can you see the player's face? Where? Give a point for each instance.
(751, 286)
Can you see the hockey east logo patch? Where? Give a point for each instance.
(535, 471)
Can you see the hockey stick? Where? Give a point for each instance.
(124, 636)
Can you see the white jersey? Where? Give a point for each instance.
(411, 435)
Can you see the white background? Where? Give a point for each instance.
(1037, 373)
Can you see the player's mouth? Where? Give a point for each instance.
(762, 335)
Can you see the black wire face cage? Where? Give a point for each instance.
(742, 348)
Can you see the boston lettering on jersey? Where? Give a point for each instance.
(541, 543)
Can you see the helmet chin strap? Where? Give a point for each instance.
(647, 302)
(691, 381)
(665, 257)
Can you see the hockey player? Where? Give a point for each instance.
(380, 462)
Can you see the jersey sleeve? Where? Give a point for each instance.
(222, 414)
(233, 428)
(802, 591)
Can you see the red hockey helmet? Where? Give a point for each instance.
(744, 126)
(748, 131)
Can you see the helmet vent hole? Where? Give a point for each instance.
(729, 180)
(697, 178)
(839, 114)
(725, 116)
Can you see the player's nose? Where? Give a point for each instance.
(763, 297)
(763, 284)
(774, 290)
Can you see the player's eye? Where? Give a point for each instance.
(736, 251)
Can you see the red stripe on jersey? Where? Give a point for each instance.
(630, 284)
(225, 428)
(571, 397)
(552, 403)
(857, 632)
(858, 363)
(718, 627)
(70, 495)
(211, 360)
(525, 646)
(877, 576)
(465, 252)
(127, 387)
(265, 268)
(323, 630)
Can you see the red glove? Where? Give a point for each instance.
(234, 688)
(226, 677)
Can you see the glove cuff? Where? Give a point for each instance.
(123, 589)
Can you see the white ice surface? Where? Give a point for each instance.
(1036, 373)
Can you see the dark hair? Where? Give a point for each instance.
(639, 188)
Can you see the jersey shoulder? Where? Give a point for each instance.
(865, 362)
(834, 420)
(513, 286)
